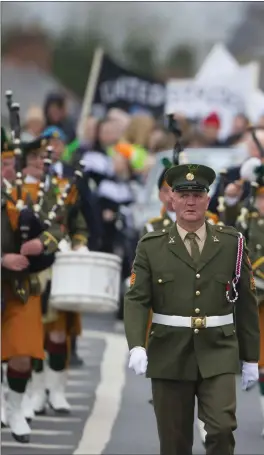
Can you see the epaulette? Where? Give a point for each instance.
(157, 233)
(227, 230)
(155, 219)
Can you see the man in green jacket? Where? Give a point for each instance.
(197, 279)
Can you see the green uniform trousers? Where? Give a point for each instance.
(174, 403)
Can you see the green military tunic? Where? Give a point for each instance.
(255, 243)
(165, 279)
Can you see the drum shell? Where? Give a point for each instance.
(85, 281)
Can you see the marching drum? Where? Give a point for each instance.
(85, 281)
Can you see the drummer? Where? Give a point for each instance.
(66, 324)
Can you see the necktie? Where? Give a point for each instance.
(195, 252)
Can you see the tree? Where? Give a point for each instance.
(180, 61)
(72, 57)
(139, 55)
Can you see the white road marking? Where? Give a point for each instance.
(41, 432)
(35, 446)
(78, 395)
(77, 383)
(57, 419)
(75, 373)
(79, 407)
(98, 427)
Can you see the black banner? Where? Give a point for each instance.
(120, 88)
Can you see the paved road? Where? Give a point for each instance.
(110, 410)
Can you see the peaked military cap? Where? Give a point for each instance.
(190, 177)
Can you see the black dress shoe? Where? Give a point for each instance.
(23, 438)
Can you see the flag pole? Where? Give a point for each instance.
(90, 88)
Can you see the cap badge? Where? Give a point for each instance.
(189, 176)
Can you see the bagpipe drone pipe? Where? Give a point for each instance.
(25, 214)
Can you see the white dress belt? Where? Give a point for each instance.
(193, 321)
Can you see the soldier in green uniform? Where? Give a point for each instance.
(191, 274)
(251, 224)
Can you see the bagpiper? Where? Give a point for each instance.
(59, 326)
(25, 244)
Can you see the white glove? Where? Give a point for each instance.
(138, 360)
(250, 375)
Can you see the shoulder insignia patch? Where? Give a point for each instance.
(132, 278)
(252, 283)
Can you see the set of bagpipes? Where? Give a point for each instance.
(25, 213)
(252, 171)
(179, 157)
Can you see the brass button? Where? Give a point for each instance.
(160, 280)
(197, 310)
(258, 246)
(198, 275)
(163, 230)
(197, 293)
(196, 331)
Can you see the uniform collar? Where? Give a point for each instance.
(201, 232)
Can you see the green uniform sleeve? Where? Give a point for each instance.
(138, 300)
(247, 317)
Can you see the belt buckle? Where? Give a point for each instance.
(198, 322)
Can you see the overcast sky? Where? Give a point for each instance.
(198, 22)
